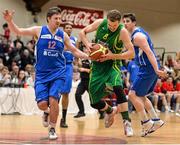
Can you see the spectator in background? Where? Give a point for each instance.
(20, 80)
(168, 89)
(169, 61)
(31, 79)
(30, 46)
(14, 73)
(28, 69)
(177, 88)
(4, 46)
(169, 65)
(176, 62)
(15, 54)
(13, 63)
(26, 59)
(158, 93)
(6, 31)
(18, 39)
(4, 76)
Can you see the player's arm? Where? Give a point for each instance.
(76, 52)
(31, 31)
(90, 28)
(129, 54)
(141, 41)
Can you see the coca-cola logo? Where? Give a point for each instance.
(79, 17)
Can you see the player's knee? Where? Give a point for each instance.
(100, 105)
(131, 95)
(121, 97)
(43, 105)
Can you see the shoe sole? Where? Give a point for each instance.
(79, 116)
(53, 138)
(156, 128)
(129, 135)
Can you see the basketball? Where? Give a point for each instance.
(97, 50)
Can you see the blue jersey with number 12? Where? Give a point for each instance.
(50, 61)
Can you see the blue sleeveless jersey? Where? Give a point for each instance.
(140, 56)
(68, 54)
(50, 61)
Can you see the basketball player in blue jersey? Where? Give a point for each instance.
(50, 62)
(69, 73)
(149, 70)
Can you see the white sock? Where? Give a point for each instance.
(152, 113)
(143, 115)
(167, 108)
(52, 125)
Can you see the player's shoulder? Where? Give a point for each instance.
(139, 36)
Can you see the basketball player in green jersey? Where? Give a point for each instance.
(105, 73)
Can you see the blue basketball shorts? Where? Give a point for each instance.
(46, 89)
(68, 80)
(144, 83)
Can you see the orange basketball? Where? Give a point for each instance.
(97, 50)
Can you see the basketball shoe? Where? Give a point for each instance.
(147, 127)
(128, 131)
(157, 124)
(52, 134)
(109, 118)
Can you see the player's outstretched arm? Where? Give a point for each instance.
(31, 31)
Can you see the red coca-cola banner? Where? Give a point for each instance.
(79, 17)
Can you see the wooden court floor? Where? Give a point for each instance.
(20, 129)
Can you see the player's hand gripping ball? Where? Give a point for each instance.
(97, 50)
